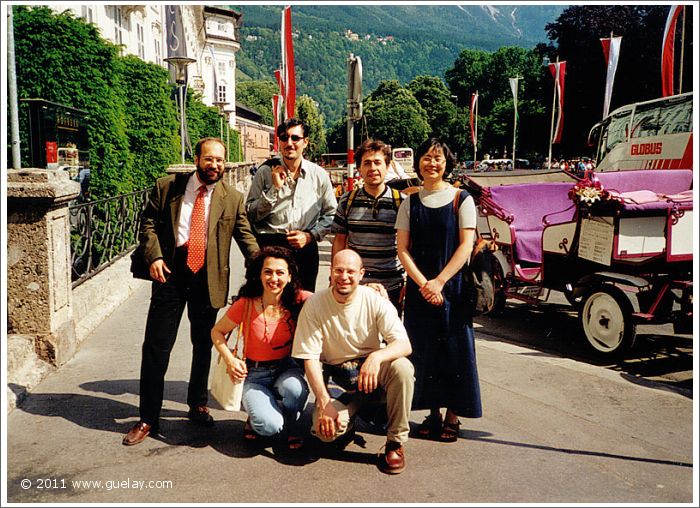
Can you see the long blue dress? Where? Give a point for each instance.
(442, 336)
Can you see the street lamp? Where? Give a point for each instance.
(221, 105)
(227, 114)
(181, 63)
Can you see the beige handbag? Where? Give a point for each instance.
(227, 393)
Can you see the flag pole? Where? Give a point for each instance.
(515, 115)
(680, 76)
(476, 125)
(551, 130)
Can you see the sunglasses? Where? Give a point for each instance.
(293, 137)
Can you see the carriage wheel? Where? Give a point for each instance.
(569, 295)
(499, 291)
(606, 316)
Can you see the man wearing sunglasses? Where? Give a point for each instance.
(291, 201)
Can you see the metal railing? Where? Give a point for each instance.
(102, 232)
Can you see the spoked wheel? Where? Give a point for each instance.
(606, 316)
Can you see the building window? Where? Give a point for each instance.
(221, 94)
(141, 45)
(159, 59)
(86, 13)
(221, 72)
(118, 25)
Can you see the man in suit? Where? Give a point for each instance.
(185, 237)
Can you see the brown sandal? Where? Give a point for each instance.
(450, 431)
(431, 426)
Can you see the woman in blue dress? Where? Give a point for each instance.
(435, 235)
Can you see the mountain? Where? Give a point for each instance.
(393, 41)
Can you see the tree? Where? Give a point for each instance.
(577, 32)
(436, 100)
(395, 116)
(258, 95)
(308, 112)
(489, 73)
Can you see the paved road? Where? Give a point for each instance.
(553, 327)
(555, 430)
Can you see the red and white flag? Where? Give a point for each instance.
(278, 78)
(558, 70)
(473, 111)
(288, 77)
(667, 63)
(276, 101)
(611, 51)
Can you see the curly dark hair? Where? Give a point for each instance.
(291, 294)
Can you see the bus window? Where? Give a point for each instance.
(616, 132)
(646, 121)
(677, 119)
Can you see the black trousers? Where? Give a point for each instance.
(306, 257)
(168, 301)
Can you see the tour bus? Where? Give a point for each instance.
(336, 165)
(404, 156)
(656, 134)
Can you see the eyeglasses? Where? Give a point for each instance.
(293, 137)
(215, 160)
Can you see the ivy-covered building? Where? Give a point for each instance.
(210, 37)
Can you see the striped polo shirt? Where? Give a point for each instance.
(369, 226)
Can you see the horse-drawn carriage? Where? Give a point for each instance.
(617, 244)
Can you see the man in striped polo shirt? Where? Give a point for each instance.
(364, 221)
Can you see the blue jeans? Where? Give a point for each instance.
(274, 398)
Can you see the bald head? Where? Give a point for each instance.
(347, 256)
(346, 274)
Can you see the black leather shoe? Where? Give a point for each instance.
(393, 460)
(200, 415)
(138, 433)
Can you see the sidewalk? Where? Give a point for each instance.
(554, 431)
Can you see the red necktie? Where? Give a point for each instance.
(197, 245)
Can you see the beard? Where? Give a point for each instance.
(209, 176)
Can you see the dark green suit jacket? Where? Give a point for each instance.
(227, 219)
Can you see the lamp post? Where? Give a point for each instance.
(181, 63)
(221, 105)
(227, 115)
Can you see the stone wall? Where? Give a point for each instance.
(40, 326)
(47, 319)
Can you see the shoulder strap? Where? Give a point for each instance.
(351, 198)
(456, 202)
(397, 197)
(243, 327)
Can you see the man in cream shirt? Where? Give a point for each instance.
(354, 335)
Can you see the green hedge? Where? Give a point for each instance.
(132, 124)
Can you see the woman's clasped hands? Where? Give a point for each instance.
(432, 291)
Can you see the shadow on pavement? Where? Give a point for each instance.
(88, 411)
(660, 359)
(478, 436)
